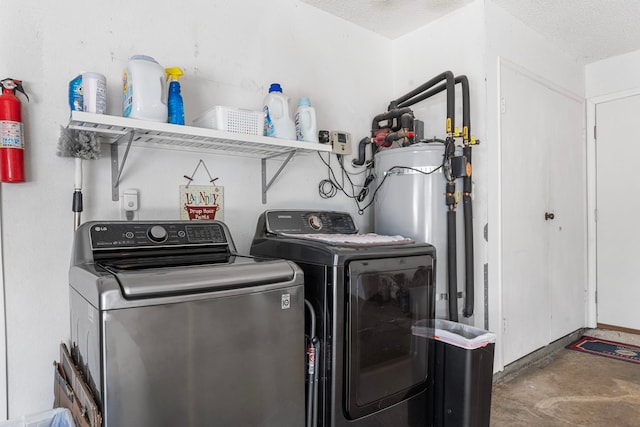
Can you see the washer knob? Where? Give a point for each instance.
(157, 233)
(315, 222)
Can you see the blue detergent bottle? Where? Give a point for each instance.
(175, 103)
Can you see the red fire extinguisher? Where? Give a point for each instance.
(12, 143)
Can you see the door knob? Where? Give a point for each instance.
(548, 216)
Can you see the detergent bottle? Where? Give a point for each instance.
(175, 104)
(278, 123)
(305, 119)
(144, 84)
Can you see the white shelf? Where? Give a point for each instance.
(116, 130)
(112, 128)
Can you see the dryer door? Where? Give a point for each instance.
(385, 362)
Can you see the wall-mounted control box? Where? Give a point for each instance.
(341, 142)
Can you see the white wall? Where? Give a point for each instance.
(606, 80)
(230, 51)
(508, 39)
(613, 75)
(453, 43)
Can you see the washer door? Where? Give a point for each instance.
(385, 362)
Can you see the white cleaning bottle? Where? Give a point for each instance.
(143, 90)
(278, 123)
(305, 119)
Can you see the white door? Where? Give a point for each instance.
(524, 230)
(618, 209)
(568, 202)
(543, 259)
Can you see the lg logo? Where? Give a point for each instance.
(285, 302)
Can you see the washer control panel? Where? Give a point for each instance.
(115, 235)
(309, 222)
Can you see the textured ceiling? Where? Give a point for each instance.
(390, 18)
(588, 30)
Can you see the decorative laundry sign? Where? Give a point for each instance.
(201, 201)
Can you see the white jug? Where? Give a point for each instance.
(143, 94)
(278, 123)
(305, 119)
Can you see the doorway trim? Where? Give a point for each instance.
(592, 286)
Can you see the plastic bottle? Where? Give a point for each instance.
(175, 104)
(278, 123)
(305, 119)
(75, 93)
(143, 89)
(94, 93)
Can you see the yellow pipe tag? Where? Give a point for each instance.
(449, 124)
(465, 133)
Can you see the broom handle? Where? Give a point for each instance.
(77, 193)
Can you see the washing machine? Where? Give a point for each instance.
(171, 327)
(367, 293)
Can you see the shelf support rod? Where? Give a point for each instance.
(116, 171)
(266, 185)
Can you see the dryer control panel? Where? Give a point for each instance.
(307, 222)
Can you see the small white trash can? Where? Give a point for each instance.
(463, 373)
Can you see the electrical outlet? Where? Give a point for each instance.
(341, 142)
(130, 204)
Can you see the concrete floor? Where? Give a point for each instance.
(571, 388)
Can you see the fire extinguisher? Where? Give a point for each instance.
(12, 143)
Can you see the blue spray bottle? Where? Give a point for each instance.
(175, 103)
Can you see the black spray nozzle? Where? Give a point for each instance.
(14, 85)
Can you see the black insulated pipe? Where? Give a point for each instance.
(362, 152)
(452, 266)
(466, 108)
(466, 201)
(452, 249)
(389, 115)
(468, 240)
(408, 99)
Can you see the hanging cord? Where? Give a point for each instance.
(330, 186)
(327, 189)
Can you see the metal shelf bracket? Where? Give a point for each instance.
(266, 185)
(116, 172)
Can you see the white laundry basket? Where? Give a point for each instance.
(235, 120)
(58, 417)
